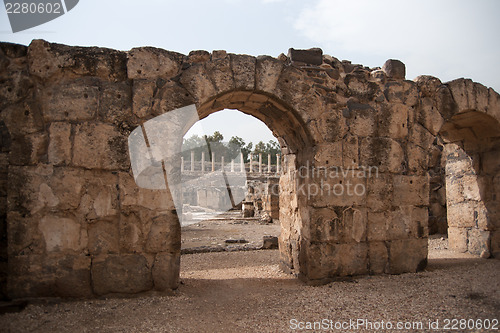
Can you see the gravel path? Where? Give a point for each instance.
(245, 292)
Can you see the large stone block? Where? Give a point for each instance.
(59, 151)
(100, 146)
(151, 63)
(384, 153)
(408, 222)
(197, 82)
(394, 69)
(428, 116)
(164, 234)
(75, 100)
(124, 273)
(312, 56)
(478, 241)
(462, 215)
(103, 237)
(378, 226)
(407, 256)
(62, 234)
(243, 67)
(379, 188)
(46, 60)
(338, 225)
(166, 269)
(378, 256)
(115, 106)
(219, 70)
(336, 189)
(268, 71)
(457, 239)
(53, 275)
(411, 190)
(133, 195)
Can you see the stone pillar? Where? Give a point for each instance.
(213, 162)
(222, 163)
(277, 163)
(260, 163)
(269, 163)
(242, 163)
(182, 163)
(232, 165)
(202, 162)
(250, 162)
(192, 160)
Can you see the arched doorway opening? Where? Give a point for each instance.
(230, 168)
(472, 159)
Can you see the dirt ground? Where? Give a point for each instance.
(244, 291)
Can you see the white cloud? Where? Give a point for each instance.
(446, 38)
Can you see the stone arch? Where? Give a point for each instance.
(466, 117)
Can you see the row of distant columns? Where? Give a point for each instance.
(242, 164)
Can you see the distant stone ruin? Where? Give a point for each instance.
(361, 158)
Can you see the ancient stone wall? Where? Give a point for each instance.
(354, 190)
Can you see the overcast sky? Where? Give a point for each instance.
(445, 38)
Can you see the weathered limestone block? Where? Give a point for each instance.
(384, 153)
(330, 154)
(62, 234)
(428, 85)
(313, 56)
(359, 87)
(30, 149)
(22, 119)
(164, 234)
(379, 188)
(469, 95)
(151, 63)
(362, 119)
(478, 241)
(418, 159)
(394, 69)
(493, 104)
(24, 237)
(338, 225)
(243, 67)
(132, 195)
(197, 82)
(350, 152)
(100, 146)
(170, 96)
(393, 121)
(143, 92)
(115, 106)
(332, 126)
(408, 222)
(428, 116)
(336, 189)
(47, 59)
(219, 71)
(378, 257)
(411, 190)
(74, 100)
(103, 237)
(268, 71)
(166, 268)
(59, 151)
(198, 56)
(404, 92)
(421, 136)
(378, 226)
(50, 275)
(409, 255)
(457, 239)
(124, 273)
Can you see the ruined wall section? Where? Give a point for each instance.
(78, 225)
